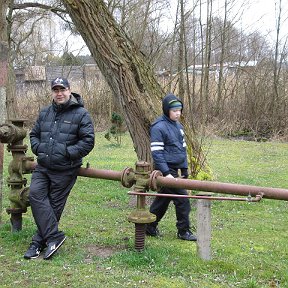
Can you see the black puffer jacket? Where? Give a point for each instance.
(62, 135)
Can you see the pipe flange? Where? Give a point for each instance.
(17, 148)
(17, 182)
(152, 181)
(126, 179)
(16, 210)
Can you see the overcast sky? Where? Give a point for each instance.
(250, 15)
(263, 15)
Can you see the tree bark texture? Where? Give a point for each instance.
(129, 76)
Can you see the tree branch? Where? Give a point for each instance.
(55, 10)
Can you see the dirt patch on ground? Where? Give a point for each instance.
(101, 251)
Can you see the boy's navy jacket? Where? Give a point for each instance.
(168, 145)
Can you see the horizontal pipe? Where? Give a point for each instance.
(224, 188)
(103, 174)
(208, 186)
(247, 199)
(87, 172)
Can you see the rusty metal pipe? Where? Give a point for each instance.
(224, 188)
(103, 174)
(247, 199)
(208, 186)
(87, 172)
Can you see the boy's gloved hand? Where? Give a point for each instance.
(184, 173)
(169, 176)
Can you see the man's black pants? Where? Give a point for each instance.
(48, 194)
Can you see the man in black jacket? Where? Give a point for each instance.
(169, 155)
(62, 135)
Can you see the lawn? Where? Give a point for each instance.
(249, 240)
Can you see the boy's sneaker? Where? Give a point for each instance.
(187, 235)
(152, 231)
(52, 247)
(33, 251)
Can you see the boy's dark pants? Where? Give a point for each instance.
(182, 207)
(49, 191)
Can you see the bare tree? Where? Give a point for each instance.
(206, 63)
(181, 48)
(130, 77)
(140, 19)
(276, 102)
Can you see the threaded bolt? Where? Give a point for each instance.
(139, 236)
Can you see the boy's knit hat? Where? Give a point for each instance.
(174, 104)
(170, 99)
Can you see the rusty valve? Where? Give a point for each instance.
(9, 133)
(140, 217)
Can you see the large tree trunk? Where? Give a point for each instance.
(128, 75)
(126, 71)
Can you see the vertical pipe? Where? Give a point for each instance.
(204, 228)
(16, 180)
(142, 216)
(140, 228)
(16, 222)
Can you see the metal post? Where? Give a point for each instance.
(204, 227)
(140, 217)
(13, 134)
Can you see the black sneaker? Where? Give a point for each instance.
(187, 235)
(52, 247)
(33, 251)
(152, 231)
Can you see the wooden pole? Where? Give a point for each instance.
(204, 227)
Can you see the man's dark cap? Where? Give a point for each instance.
(61, 82)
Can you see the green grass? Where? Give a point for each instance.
(249, 240)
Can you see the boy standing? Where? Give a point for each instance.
(169, 154)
